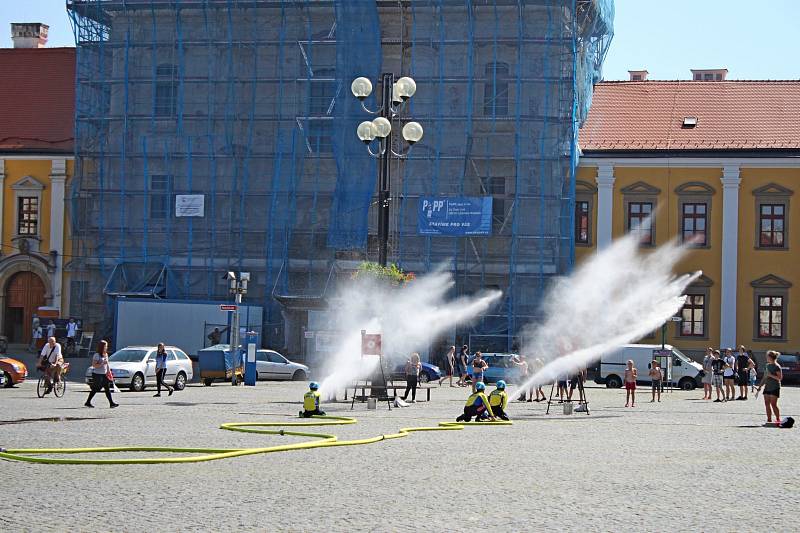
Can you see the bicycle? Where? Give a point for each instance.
(59, 387)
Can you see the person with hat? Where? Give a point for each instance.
(498, 400)
(477, 405)
(311, 402)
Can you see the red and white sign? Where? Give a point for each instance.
(227, 307)
(371, 344)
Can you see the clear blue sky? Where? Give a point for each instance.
(753, 39)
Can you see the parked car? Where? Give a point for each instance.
(790, 366)
(685, 372)
(500, 367)
(428, 372)
(14, 372)
(272, 365)
(134, 367)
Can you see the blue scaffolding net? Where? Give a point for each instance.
(220, 134)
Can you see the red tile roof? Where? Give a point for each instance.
(731, 115)
(37, 99)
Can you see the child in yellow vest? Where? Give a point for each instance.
(311, 402)
(498, 400)
(477, 405)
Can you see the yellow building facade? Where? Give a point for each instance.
(37, 103)
(733, 206)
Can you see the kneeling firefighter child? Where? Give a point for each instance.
(477, 405)
(498, 400)
(311, 401)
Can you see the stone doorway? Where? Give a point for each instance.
(25, 293)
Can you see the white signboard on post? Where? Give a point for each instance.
(190, 205)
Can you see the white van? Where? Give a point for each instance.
(684, 372)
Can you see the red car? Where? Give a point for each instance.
(13, 371)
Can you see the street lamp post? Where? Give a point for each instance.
(238, 288)
(392, 96)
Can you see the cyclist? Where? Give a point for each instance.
(53, 361)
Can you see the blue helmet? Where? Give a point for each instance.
(480, 387)
(313, 385)
(501, 384)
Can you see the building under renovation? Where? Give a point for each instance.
(217, 135)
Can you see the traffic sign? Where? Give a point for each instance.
(227, 307)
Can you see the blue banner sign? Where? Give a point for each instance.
(455, 217)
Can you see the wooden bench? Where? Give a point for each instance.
(393, 388)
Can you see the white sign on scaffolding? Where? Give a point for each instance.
(190, 205)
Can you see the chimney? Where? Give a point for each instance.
(709, 74)
(638, 75)
(29, 34)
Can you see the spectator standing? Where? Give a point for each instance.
(100, 371)
(655, 380)
(449, 365)
(520, 362)
(479, 366)
(462, 366)
(717, 371)
(576, 381)
(55, 361)
(72, 329)
(630, 384)
(728, 375)
(538, 364)
(742, 372)
(36, 334)
(753, 373)
(413, 366)
(215, 337)
(708, 373)
(161, 370)
(771, 382)
(561, 385)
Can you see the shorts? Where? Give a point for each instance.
(655, 386)
(744, 378)
(707, 378)
(773, 392)
(630, 385)
(716, 380)
(728, 378)
(478, 377)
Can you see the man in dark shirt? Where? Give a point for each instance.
(718, 369)
(742, 372)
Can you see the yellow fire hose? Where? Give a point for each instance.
(322, 440)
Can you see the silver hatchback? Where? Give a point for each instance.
(134, 367)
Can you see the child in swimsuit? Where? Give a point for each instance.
(630, 384)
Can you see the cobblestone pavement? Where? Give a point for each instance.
(682, 464)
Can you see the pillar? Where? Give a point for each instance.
(58, 176)
(605, 204)
(730, 254)
(2, 199)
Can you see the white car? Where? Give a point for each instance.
(272, 365)
(134, 367)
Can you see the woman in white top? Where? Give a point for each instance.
(100, 371)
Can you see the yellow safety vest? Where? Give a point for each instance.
(311, 400)
(498, 397)
(474, 398)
